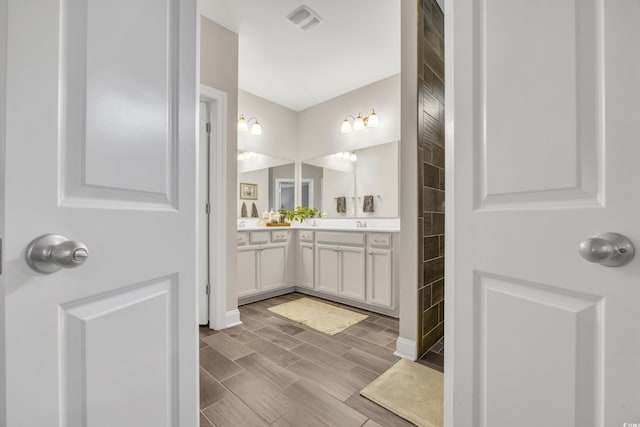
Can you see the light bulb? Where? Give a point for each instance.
(241, 156)
(346, 126)
(252, 154)
(359, 123)
(353, 157)
(242, 124)
(256, 129)
(340, 155)
(372, 120)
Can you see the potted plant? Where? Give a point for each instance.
(300, 214)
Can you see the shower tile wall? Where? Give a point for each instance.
(431, 173)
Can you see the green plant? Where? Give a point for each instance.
(301, 213)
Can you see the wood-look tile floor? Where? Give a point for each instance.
(434, 358)
(273, 371)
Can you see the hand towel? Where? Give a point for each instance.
(341, 204)
(367, 207)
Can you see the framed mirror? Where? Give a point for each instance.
(264, 182)
(357, 183)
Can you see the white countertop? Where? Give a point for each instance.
(325, 228)
(383, 225)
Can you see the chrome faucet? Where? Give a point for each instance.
(241, 224)
(360, 224)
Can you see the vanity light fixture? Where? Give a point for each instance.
(346, 155)
(243, 125)
(360, 122)
(244, 155)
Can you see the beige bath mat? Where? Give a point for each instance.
(410, 390)
(318, 315)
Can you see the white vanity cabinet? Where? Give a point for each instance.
(352, 267)
(340, 264)
(306, 259)
(380, 273)
(263, 258)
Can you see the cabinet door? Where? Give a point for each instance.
(306, 265)
(353, 273)
(327, 268)
(380, 277)
(247, 271)
(273, 267)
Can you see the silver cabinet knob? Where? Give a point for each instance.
(51, 252)
(608, 249)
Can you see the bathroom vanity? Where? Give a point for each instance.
(354, 266)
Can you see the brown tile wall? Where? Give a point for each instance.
(431, 173)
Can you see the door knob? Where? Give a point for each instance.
(51, 252)
(608, 249)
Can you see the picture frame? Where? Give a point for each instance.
(248, 191)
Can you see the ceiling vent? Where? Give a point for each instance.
(304, 18)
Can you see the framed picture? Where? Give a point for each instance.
(248, 191)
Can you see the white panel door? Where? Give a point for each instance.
(273, 267)
(327, 268)
(352, 273)
(108, 158)
(543, 146)
(380, 277)
(247, 271)
(306, 265)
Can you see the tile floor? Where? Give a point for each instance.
(434, 358)
(273, 371)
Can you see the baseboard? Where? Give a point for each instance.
(232, 318)
(406, 349)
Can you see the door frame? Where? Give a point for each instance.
(279, 181)
(217, 102)
(3, 103)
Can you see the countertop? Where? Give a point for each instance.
(372, 229)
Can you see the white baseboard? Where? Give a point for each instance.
(406, 349)
(232, 318)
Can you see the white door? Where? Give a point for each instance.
(543, 147)
(380, 277)
(247, 270)
(306, 265)
(273, 267)
(107, 158)
(327, 268)
(352, 272)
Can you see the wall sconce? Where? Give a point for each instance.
(348, 156)
(243, 125)
(360, 122)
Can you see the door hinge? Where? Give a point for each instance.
(208, 289)
(208, 127)
(207, 208)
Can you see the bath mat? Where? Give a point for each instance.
(410, 390)
(318, 315)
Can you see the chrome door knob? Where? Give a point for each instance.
(608, 249)
(51, 252)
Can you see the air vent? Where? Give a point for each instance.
(304, 18)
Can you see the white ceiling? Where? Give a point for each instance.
(357, 43)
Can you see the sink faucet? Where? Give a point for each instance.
(360, 224)
(242, 224)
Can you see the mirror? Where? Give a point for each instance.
(264, 181)
(357, 183)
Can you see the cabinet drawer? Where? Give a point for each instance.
(306, 236)
(259, 237)
(382, 240)
(243, 239)
(339, 238)
(279, 236)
